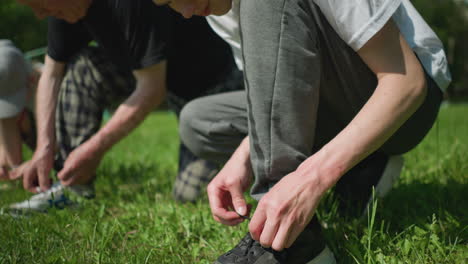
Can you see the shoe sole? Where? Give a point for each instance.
(325, 257)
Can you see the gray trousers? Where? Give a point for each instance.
(304, 85)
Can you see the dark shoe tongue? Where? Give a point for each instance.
(246, 252)
(306, 247)
(244, 246)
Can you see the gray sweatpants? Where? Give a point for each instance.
(304, 85)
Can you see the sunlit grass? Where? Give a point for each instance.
(134, 219)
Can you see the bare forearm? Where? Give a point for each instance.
(149, 93)
(128, 116)
(46, 101)
(400, 91)
(377, 121)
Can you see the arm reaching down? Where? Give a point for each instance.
(288, 207)
(36, 171)
(80, 166)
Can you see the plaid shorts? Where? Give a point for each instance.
(92, 84)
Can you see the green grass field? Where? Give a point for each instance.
(134, 219)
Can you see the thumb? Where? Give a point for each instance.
(238, 200)
(64, 174)
(17, 172)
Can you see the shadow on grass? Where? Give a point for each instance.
(417, 203)
(435, 208)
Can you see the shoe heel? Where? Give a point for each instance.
(325, 257)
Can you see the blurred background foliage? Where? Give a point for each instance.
(19, 24)
(448, 18)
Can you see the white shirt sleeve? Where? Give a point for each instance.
(357, 21)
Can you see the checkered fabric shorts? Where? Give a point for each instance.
(92, 84)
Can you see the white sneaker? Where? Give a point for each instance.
(56, 197)
(390, 176)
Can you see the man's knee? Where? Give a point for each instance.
(212, 127)
(192, 126)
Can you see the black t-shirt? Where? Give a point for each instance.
(134, 34)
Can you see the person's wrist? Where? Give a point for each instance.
(240, 164)
(242, 153)
(321, 170)
(45, 148)
(241, 156)
(313, 180)
(98, 145)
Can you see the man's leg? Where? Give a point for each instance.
(282, 72)
(282, 75)
(91, 84)
(281, 57)
(194, 172)
(282, 95)
(212, 127)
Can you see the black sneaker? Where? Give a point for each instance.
(309, 248)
